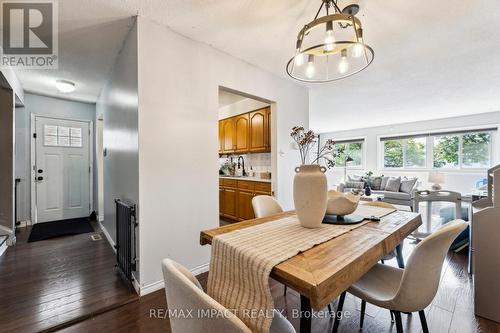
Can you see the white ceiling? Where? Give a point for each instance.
(91, 34)
(432, 60)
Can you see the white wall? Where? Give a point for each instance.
(460, 180)
(179, 81)
(243, 106)
(118, 106)
(47, 106)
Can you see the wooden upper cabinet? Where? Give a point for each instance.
(259, 131)
(246, 133)
(221, 137)
(268, 127)
(242, 133)
(229, 136)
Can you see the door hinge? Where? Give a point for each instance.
(34, 135)
(90, 169)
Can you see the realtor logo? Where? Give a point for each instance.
(29, 34)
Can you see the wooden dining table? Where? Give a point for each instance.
(323, 272)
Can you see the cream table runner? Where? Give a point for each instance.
(242, 261)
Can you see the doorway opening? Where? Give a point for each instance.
(247, 159)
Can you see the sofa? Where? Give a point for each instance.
(396, 190)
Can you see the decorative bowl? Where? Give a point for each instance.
(339, 203)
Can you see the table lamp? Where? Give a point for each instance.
(436, 178)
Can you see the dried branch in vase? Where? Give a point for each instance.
(307, 140)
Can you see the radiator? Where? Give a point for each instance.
(125, 246)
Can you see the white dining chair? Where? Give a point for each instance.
(411, 289)
(398, 252)
(265, 205)
(184, 293)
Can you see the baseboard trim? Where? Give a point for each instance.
(200, 269)
(108, 237)
(158, 285)
(23, 224)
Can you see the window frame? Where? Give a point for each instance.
(361, 140)
(430, 150)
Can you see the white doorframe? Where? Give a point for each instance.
(33, 161)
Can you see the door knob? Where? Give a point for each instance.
(40, 171)
(40, 178)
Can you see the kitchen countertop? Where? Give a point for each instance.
(252, 179)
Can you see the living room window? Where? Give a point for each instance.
(468, 150)
(446, 150)
(405, 153)
(354, 149)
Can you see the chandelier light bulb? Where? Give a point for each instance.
(358, 48)
(343, 64)
(310, 69)
(329, 37)
(299, 59)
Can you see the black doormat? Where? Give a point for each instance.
(46, 230)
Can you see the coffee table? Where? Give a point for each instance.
(373, 197)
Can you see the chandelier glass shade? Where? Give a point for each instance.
(330, 47)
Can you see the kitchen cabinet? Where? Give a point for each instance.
(245, 208)
(221, 137)
(229, 133)
(246, 133)
(228, 203)
(259, 131)
(235, 198)
(242, 137)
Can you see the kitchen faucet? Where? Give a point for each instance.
(242, 164)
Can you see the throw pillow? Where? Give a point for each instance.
(357, 185)
(393, 184)
(383, 185)
(377, 183)
(407, 184)
(355, 178)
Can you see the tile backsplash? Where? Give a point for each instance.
(260, 162)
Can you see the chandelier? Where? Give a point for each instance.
(330, 47)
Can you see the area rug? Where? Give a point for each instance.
(47, 230)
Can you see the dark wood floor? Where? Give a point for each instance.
(451, 310)
(52, 283)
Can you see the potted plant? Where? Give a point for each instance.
(310, 183)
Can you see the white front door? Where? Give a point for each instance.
(62, 169)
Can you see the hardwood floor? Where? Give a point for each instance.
(53, 283)
(451, 310)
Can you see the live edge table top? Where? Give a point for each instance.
(323, 272)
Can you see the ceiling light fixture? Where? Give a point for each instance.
(65, 86)
(334, 55)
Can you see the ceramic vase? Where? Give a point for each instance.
(310, 194)
(368, 191)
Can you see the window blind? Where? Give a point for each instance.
(438, 133)
(349, 141)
